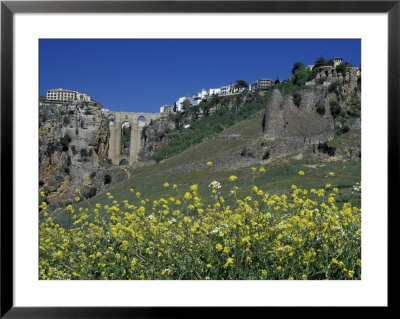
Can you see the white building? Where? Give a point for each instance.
(166, 109)
(61, 95)
(179, 103)
(310, 67)
(65, 95)
(198, 97)
(214, 91)
(262, 85)
(83, 97)
(226, 90)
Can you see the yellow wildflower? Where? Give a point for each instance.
(233, 178)
(264, 273)
(187, 195)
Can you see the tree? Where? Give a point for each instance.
(300, 74)
(186, 107)
(277, 81)
(297, 66)
(320, 62)
(242, 84)
(341, 68)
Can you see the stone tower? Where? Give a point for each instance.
(337, 61)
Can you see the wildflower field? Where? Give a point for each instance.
(305, 235)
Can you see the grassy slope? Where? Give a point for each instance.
(189, 167)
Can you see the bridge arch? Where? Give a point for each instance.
(142, 120)
(125, 141)
(126, 128)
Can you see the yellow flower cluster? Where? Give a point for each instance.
(306, 235)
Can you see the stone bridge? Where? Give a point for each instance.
(125, 149)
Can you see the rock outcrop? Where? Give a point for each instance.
(297, 125)
(306, 119)
(73, 146)
(154, 136)
(328, 75)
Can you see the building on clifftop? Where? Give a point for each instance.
(65, 95)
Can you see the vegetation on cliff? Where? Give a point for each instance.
(339, 86)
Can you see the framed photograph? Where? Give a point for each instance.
(163, 155)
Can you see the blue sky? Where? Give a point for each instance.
(141, 75)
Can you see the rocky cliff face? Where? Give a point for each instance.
(73, 145)
(297, 123)
(347, 82)
(311, 118)
(154, 136)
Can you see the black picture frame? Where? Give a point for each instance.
(9, 8)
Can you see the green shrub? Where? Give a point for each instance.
(320, 81)
(107, 179)
(336, 109)
(84, 152)
(66, 120)
(341, 68)
(50, 149)
(355, 106)
(320, 108)
(92, 175)
(326, 149)
(73, 149)
(266, 155)
(65, 140)
(91, 192)
(246, 152)
(333, 86)
(68, 161)
(341, 130)
(297, 99)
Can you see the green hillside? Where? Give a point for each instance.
(189, 167)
